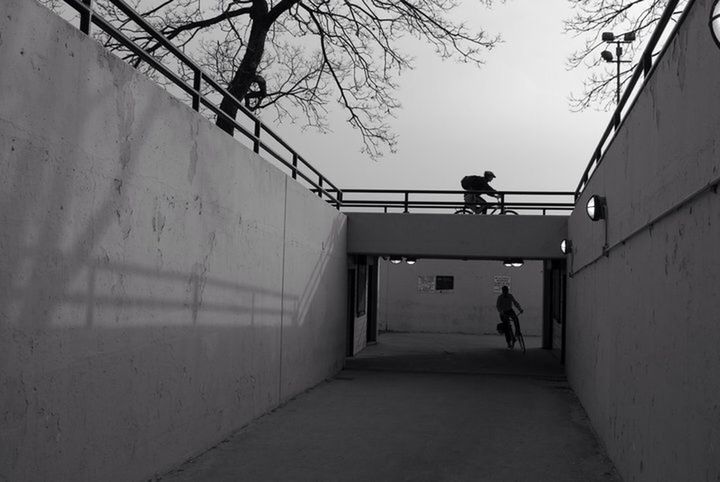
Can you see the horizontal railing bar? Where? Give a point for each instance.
(220, 112)
(122, 38)
(316, 186)
(432, 206)
(641, 70)
(155, 63)
(225, 93)
(459, 191)
(450, 203)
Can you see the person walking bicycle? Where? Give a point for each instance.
(504, 306)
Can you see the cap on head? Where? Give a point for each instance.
(505, 289)
(489, 175)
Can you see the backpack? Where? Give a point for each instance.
(500, 328)
(466, 183)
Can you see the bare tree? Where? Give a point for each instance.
(591, 19)
(296, 56)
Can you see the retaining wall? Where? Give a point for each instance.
(160, 284)
(642, 322)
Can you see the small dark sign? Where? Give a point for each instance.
(444, 283)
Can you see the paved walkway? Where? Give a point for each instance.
(421, 407)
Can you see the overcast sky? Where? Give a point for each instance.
(510, 116)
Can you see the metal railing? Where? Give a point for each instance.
(417, 200)
(298, 166)
(399, 200)
(643, 71)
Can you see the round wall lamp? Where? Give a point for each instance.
(595, 207)
(566, 246)
(715, 22)
(513, 263)
(411, 260)
(395, 259)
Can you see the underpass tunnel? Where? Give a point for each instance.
(428, 308)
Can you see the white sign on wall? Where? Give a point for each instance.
(426, 284)
(499, 282)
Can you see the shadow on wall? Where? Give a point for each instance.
(183, 357)
(303, 303)
(37, 279)
(136, 329)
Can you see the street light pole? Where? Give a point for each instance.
(619, 52)
(607, 56)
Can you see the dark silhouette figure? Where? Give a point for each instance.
(474, 200)
(504, 306)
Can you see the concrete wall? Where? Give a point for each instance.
(468, 308)
(643, 335)
(160, 285)
(455, 236)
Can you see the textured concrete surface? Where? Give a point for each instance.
(420, 407)
(642, 322)
(451, 236)
(160, 284)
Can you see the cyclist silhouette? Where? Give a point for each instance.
(504, 306)
(474, 200)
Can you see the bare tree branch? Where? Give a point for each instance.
(591, 19)
(294, 57)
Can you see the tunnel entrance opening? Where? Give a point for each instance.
(455, 300)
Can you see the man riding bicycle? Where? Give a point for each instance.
(474, 200)
(504, 306)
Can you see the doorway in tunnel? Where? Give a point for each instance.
(554, 287)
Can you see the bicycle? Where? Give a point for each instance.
(518, 334)
(499, 209)
(494, 211)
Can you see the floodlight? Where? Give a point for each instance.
(715, 22)
(566, 246)
(411, 260)
(629, 37)
(595, 207)
(395, 259)
(606, 55)
(513, 263)
(608, 37)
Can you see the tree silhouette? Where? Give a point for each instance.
(297, 56)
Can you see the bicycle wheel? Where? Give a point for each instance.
(520, 340)
(498, 211)
(464, 211)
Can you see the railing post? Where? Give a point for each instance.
(197, 77)
(256, 141)
(294, 164)
(320, 193)
(647, 64)
(407, 199)
(339, 197)
(86, 18)
(502, 203)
